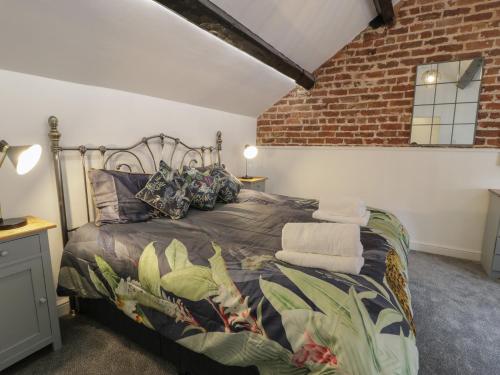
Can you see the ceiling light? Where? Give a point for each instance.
(430, 77)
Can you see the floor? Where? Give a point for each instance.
(457, 312)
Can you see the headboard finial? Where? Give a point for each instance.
(219, 146)
(219, 140)
(54, 134)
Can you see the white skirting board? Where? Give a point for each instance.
(446, 251)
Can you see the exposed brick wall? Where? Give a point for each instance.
(364, 94)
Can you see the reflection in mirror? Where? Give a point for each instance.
(441, 134)
(421, 134)
(422, 115)
(448, 72)
(463, 134)
(444, 114)
(424, 94)
(445, 93)
(446, 103)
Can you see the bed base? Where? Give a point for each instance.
(185, 361)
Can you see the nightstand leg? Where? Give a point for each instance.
(56, 344)
(74, 305)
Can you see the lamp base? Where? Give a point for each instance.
(6, 224)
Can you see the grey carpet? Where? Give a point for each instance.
(457, 312)
(91, 349)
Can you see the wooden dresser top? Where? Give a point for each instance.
(495, 191)
(35, 225)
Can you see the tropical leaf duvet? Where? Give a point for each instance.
(211, 283)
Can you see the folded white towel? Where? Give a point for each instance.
(322, 238)
(325, 262)
(327, 216)
(340, 205)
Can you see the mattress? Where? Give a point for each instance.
(211, 283)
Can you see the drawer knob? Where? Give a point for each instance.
(4, 253)
(43, 301)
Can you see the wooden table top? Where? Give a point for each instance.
(495, 191)
(35, 225)
(252, 179)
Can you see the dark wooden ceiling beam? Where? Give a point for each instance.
(385, 13)
(213, 19)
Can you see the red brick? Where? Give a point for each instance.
(488, 5)
(478, 17)
(456, 12)
(364, 94)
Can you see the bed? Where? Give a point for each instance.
(207, 293)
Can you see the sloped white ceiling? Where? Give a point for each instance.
(136, 46)
(307, 31)
(139, 46)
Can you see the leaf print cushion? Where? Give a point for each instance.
(167, 191)
(204, 188)
(230, 185)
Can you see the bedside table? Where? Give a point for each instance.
(490, 255)
(28, 316)
(254, 183)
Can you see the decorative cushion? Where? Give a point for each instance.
(167, 191)
(114, 193)
(230, 185)
(204, 188)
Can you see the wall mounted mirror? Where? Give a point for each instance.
(446, 103)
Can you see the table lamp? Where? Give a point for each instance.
(24, 158)
(250, 152)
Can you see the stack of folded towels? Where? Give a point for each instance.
(334, 246)
(330, 246)
(342, 209)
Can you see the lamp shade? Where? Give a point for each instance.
(24, 158)
(250, 152)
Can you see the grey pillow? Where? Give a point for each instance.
(114, 193)
(167, 191)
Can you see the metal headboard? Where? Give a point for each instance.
(110, 159)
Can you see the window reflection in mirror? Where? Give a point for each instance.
(446, 103)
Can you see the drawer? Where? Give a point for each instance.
(12, 251)
(497, 247)
(496, 263)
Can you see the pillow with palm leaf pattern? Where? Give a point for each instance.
(168, 192)
(204, 188)
(230, 185)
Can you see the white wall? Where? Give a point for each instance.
(439, 194)
(93, 115)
